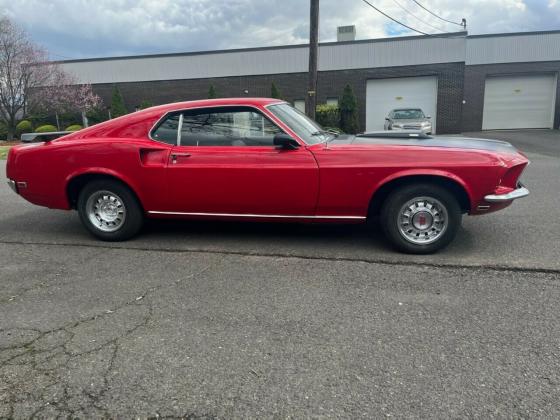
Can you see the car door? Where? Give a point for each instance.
(225, 163)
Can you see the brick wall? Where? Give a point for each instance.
(294, 86)
(455, 83)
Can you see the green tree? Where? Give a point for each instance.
(3, 131)
(117, 104)
(97, 114)
(145, 104)
(274, 92)
(212, 94)
(349, 111)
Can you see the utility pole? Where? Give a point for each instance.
(311, 102)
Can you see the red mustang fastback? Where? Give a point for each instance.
(261, 159)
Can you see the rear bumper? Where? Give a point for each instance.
(13, 185)
(512, 195)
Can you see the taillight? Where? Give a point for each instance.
(512, 175)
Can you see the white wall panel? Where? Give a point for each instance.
(513, 48)
(332, 56)
(268, 61)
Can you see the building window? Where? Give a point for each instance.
(332, 101)
(299, 104)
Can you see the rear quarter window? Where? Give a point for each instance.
(166, 130)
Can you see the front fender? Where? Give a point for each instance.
(424, 172)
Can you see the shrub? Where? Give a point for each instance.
(274, 92)
(117, 104)
(145, 104)
(47, 128)
(212, 92)
(97, 115)
(349, 111)
(74, 127)
(23, 126)
(328, 116)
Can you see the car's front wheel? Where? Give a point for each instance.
(420, 218)
(110, 210)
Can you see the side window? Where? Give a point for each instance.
(227, 127)
(166, 132)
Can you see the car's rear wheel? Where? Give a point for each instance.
(110, 210)
(420, 218)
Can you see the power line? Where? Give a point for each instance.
(417, 18)
(410, 27)
(393, 19)
(463, 24)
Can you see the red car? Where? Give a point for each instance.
(262, 160)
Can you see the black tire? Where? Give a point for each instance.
(391, 218)
(133, 218)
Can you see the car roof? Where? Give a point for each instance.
(216, 102)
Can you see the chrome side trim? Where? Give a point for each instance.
(513, 195)
(261, 216)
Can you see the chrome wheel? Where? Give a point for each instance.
(106, 211)
(422, 220)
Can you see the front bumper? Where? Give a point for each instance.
(425, 129)
(512, 195)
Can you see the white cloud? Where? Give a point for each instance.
(82, 28)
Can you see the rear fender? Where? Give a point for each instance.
(107, 172)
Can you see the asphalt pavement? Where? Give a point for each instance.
(236, 320)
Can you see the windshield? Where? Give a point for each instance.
(303, 126)
(408, 114)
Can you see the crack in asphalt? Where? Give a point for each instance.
(30, 356)
(493, 267)
(40, 286)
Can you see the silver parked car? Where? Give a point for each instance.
(408, 119)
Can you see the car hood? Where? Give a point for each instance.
(435, 141)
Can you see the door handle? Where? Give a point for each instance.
(174, 156)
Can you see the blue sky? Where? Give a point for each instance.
(94, 28)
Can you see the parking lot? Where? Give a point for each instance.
(214, 320)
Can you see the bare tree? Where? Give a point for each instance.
(29, 81)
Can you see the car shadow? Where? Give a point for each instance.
(321, 240)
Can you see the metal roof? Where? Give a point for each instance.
(374, 53)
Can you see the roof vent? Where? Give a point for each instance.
(346, 33)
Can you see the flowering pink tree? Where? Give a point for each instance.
(65, 95)
(29, 81)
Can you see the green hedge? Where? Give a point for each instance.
(47, 128)
(73, 127)
(328, 116)
(23, 126)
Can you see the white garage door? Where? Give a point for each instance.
(519, 102)
(383, 95)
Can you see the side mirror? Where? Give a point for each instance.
(428, 116)
(285, 142)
